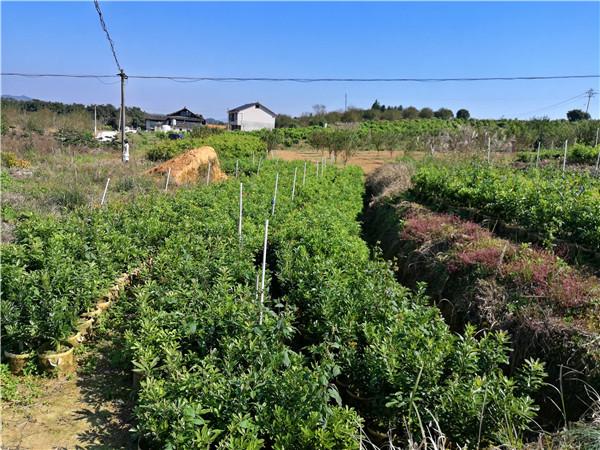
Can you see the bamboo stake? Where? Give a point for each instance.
(304, 176)
(168, 178)
(105, 189)
(274, 195)
(208, 175)
(565, 157)
(264, 268)
(240, 222)
(294, 185)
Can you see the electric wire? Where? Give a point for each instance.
(301, 80)
(112, 45)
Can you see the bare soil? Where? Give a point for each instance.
(89, 408)
(368, 160)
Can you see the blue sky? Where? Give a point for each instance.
(309, 40)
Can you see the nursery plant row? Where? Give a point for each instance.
(548, 201)
(331, 346)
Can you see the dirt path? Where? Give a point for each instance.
(368, 160)
(89, 408)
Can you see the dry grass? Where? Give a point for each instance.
(390, 180)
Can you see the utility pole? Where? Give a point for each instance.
(590, 94)
(95, 127)
(123, 78)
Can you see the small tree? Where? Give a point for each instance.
(392, 140)
(377, 139)
(426, 113)
(343, 143)
(272, 138)
(318, 140)
(410, 113)
(444, 113)
(575, 115)
(463, 114)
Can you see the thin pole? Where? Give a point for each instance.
(240, 222)
(236, 168)
(304, 176)
(489, 148)
(537, 159)
(322, 169)
(597, 163)
(208, 175)
(123, 77)
(565, 158)
(168, 177)
(260, 306)
(275, 195)
(332, 156)
(294, 186)
(264, 267)
(258, 170)
(317, 169)
(95, 126)
(105, 189)
(597, 130)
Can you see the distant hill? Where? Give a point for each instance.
(215, 122)
(22, 98)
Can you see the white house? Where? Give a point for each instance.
(252, 116)
(182, 120)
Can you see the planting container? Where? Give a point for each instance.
(50, 361)
(76, 340)
(16, 362)
(85, 326)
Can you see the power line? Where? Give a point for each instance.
(302, 80)
(112, 45)
(548, 108)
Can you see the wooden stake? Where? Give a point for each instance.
(208, 175)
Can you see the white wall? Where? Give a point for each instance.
(256, 119)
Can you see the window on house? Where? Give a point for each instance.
(257, 106)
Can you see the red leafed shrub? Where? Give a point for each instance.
(528, 272)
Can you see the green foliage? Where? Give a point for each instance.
(558, 205)
(227, 145)
(576, 115)
(223, 369)
(463, 114)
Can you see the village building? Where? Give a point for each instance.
(182, 120)
(250, 117)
